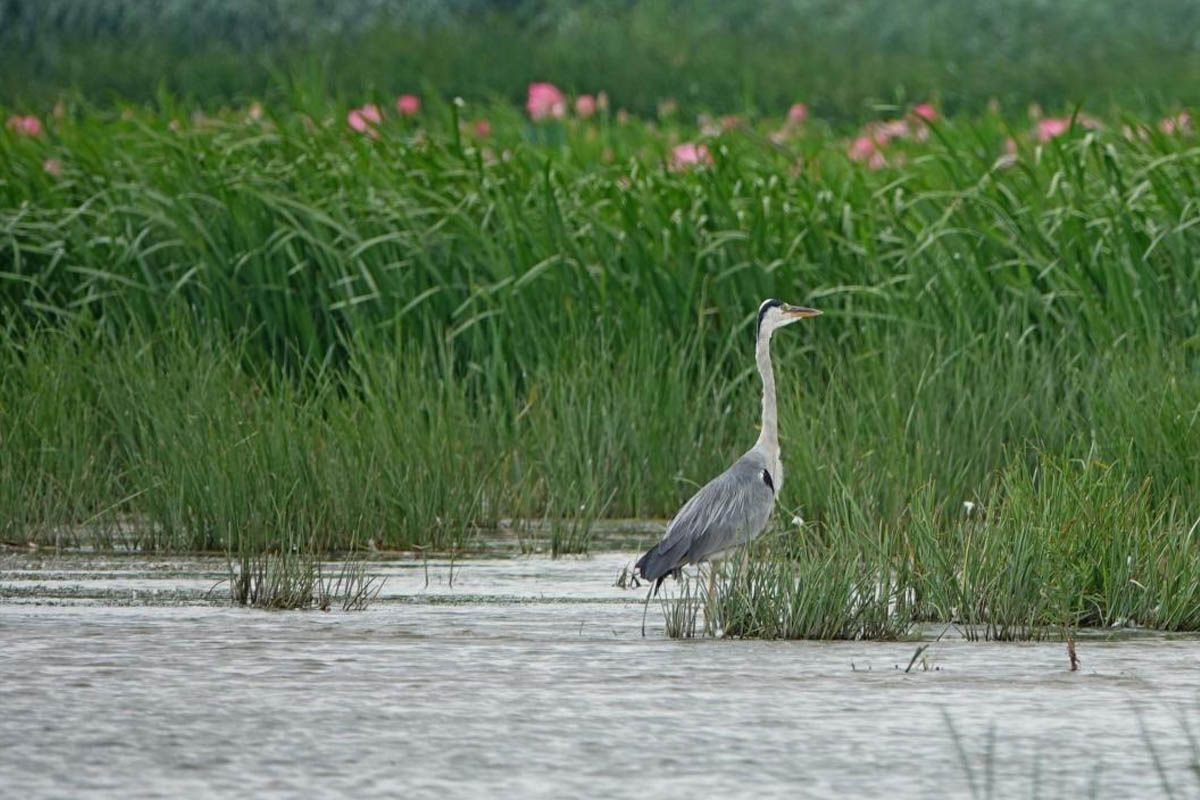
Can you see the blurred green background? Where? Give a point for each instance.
(841, 56)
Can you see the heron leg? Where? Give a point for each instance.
(646, 608)
(711, 607)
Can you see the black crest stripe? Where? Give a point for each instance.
(762, 312)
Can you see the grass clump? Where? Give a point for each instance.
(844, 579)
(293, 580)
(789, 598)
(1059, 543)
(1053, 545)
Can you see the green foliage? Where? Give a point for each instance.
(281, 336)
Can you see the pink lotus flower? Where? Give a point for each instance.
(358, 122)
(797, 114)
(862, 149)
(27, 125)
(408, 105)
(1180, 123)
(364, 119)
(925, 111)
(1052, 127)
(52, 166)
(689, 154)
(884, 132)
(545, 101)
(585, 106)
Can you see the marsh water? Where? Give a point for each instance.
(530, 677)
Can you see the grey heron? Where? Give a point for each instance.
(733, 508)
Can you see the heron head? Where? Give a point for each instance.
(774, 314)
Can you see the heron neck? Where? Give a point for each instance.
(768, 438)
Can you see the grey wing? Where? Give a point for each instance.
(729, 510)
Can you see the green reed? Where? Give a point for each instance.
(223, 333)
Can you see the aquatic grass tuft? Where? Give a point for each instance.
(273, 580)
(351, 588)
(682, 611)
(788, 588)
(294, 580)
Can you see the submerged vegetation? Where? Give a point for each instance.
(297, 327)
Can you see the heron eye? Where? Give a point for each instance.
(766, 476)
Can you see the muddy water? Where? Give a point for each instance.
(530, 678)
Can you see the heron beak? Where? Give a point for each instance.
(800, 312)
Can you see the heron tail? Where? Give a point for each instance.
(653, 567)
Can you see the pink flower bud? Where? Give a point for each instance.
(408, 105)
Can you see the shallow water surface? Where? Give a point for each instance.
(530, 678)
